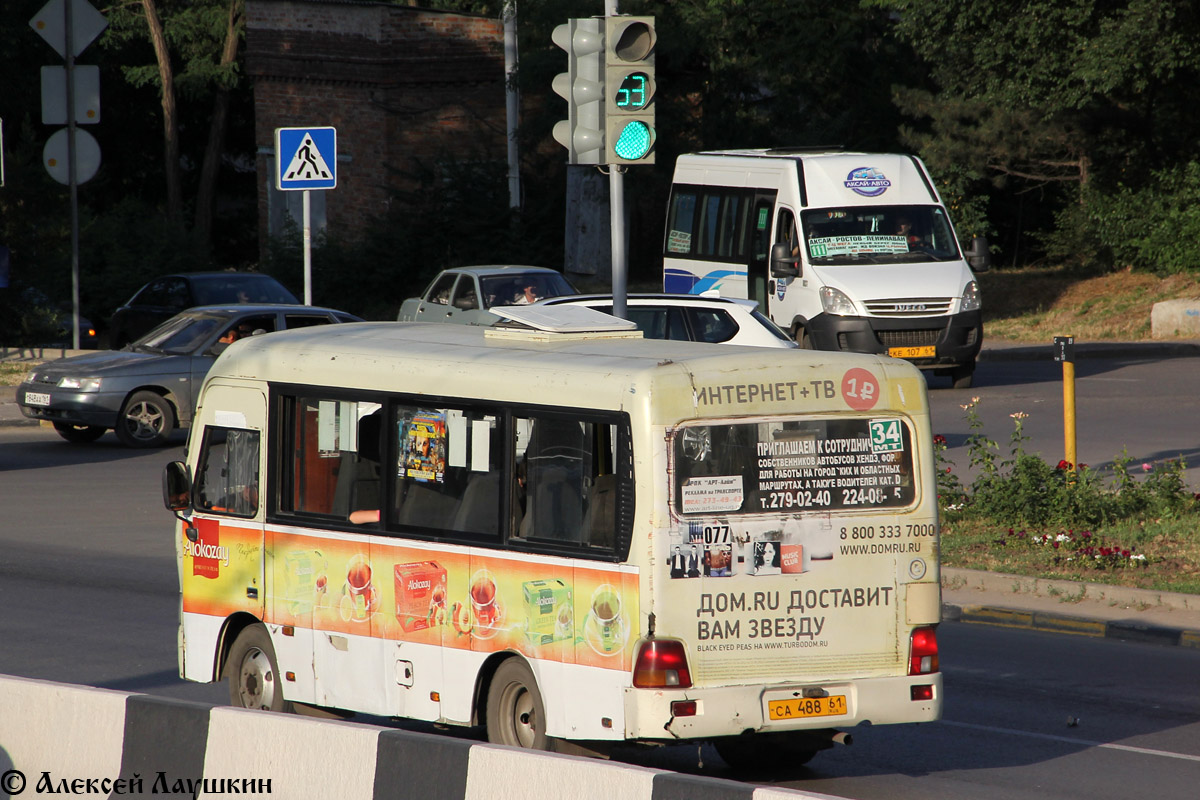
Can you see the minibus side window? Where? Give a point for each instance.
(227, 476)
(448, 469)
(331, 462)
(566, 489)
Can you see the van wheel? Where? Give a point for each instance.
(963, 376)
(146, 420)
(79, 434)
(802, 338)
(253, 672)
(516, 715)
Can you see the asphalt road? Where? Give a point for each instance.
(1134, 406)
(88, 595)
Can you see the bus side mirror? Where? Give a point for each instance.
(784, 263)
(177, 494)
(979, 257)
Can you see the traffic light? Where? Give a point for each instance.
(582, 85)
(629, 89)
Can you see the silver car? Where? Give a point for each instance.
(149, 388)
(464, 294)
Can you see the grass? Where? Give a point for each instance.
(1035, 305)
(1171, 547)
(13, 372)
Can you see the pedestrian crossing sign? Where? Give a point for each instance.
(305, 158)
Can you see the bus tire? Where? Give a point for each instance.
(253, 672)
(516, 715)
(146, 420)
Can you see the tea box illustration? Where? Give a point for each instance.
(549, 614)
(420, 594)
(305, 576)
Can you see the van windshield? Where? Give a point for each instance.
(879, 235)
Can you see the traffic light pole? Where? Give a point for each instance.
(616, 217)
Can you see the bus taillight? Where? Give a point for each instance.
(923, 652)
(661, 664)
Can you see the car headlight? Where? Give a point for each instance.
(80, 384)
(971, 301)
(31, 377)
(835, 302)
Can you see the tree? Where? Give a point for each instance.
(1035, 97)
(204, 36)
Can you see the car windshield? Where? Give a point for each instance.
(242, 288)
(510, 289)
(181, 334)
(879, 235)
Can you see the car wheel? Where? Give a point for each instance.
(79, 434)
(146, 420)
(516, 715)
(253, 672)
(963, 376)
(802, 338)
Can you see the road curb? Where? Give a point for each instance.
(1065, 623)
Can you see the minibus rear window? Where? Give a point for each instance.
(793, 466)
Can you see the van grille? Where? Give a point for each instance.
(909, 306)
(908, 338)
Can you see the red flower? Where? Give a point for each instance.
(1064, 464)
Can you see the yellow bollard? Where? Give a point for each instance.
(1065, 352)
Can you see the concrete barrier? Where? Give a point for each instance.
(1175, 318)
(63, 739)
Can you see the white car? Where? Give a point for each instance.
(718, 320)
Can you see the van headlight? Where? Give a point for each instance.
(836, 302)
(971, 300)
(80, 384)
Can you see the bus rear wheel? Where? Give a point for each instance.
(516, 715)
(253, 672)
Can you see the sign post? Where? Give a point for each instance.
(69, 26)
(306, 159)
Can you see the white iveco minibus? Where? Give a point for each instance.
(847, 251)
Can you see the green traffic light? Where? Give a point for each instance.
(634, 141)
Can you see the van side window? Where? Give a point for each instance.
(448, 470)
(227, 475)
(713, 222)
(567, 487)
(785, 230)
(330, 462)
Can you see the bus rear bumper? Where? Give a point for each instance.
(730, 711)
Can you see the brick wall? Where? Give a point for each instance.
(402, 85)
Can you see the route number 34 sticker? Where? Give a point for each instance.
(885, 436)
(860, 389)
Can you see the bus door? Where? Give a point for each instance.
(223, 569)
(758, 247)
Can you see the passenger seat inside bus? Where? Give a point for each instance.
(358, 479)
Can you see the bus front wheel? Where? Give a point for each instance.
(516, 715)
(253, 672)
